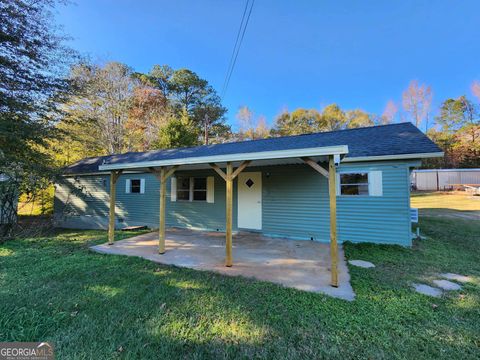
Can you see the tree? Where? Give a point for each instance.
(460, 119)
(188, 89)
(161, 76)
(184, 89)
(358, 118)
(416, 100)
(300, 121)
(250, 127)
(389, 113)
(178, 132)
(445, 140)
(245, 123)
(457, 113)
(333, 118)
(33, 61)
(103, 102)
(149, 111)
(209, 118)
(262, 130)
(476, 89)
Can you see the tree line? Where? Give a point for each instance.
(113, 109)
(454, 126)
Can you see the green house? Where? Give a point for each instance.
(281, 187)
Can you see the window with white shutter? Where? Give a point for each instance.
(367, 183)
(135, 186)
(193, 189)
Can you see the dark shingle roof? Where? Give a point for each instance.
(393, 139)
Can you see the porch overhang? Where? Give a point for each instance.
(275, 157)
(164, 168)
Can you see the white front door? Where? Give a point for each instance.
(250, 200)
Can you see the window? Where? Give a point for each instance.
(354, 184)
(183, 189)
(192, 189)
(199, 189)
(135, 186)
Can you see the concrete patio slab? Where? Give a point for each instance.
(302, 265)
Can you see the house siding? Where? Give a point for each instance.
(294, 204)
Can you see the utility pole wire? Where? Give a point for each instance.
(235, 46)
(230, 70)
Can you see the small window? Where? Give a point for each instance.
(183, 189)
(200, 189)
(354, 184)
(135, 185)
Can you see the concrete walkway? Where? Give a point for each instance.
(302, 265)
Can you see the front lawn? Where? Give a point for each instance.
(103, 306)
(454, 204)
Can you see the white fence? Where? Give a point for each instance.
(444, 179)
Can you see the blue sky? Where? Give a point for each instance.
(358, 54)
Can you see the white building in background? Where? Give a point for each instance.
(444, 179)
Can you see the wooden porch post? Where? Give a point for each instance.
(161, 229)
(229, 206)
(331, 175)
(229, 177)
(114, 175)
(162, 176)
(332, 190)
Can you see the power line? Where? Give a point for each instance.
(236, 48)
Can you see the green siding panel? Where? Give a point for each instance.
(295, 204)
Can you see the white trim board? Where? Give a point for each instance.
(103, 173)
(393, 157)
(262, 155)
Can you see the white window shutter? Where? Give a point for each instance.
(173, 189)
(142, 186)
(210, 189)
(127, 186)
(191, 189)
(375, 183)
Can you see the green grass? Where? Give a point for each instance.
(455, 204)
(103, 306)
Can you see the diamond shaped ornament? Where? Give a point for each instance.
(249, 183)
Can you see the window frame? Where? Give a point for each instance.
(187, 188)
(340, 184)
(192, 181)
(191, 188)
(139, 186)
